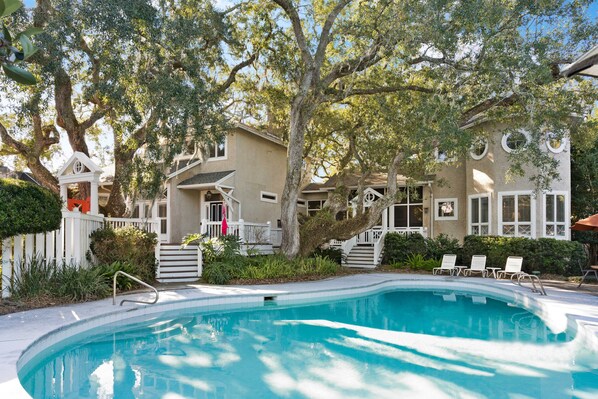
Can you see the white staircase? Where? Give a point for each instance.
(179, 265)
(361, 256)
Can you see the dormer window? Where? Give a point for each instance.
(218, 150)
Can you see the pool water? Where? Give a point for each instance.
(407, 344)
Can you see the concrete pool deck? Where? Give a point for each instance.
(30, 329)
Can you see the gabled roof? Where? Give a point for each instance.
(586, 65)
(205, 178)
(351, 180)
(265, 135)
(84, 159)
(182, 165)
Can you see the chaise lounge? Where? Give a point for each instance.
(448, 264)
(478, 265)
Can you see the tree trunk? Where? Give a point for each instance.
(301, 113)
(322, 228)
(116, 206)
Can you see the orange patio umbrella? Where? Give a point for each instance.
(587, 224)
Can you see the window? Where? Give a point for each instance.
(314, 206)
(269, 197)
(515, 141)
(479, 148)
(217, 150)
(515, 216)
(446, 209)
(555, 215)
(162, 215)
(301, 202)
(555, 144)
(479, 214)
(410, 211)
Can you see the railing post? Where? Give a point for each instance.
(199, 261)
(6, 267)
(203, 229)
(242, 231)
(77, 236)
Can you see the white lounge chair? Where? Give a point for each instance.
(478, 265)
(513, 266)
(448, 264)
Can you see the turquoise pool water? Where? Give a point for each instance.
(407, 344)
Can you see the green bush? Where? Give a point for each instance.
(267, 267)
(108, 270)
(333, 253)
(398, 247)
(64, 283)
(443, 244)
(126, 245)
(546, 255)
(26, 208)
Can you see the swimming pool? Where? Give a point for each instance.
(431, 344)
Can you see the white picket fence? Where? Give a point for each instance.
(67, 245)
(248, 233)
(148, 225)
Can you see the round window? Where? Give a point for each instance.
(555, 144)
(512, 142)
(479, 148)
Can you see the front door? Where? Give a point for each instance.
(163, 221)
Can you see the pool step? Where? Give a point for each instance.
(361, 256)
(178, 265)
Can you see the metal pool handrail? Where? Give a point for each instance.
(136, 280)
(532, 278)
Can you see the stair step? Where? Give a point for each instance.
(186, 274)
(186, 268)
(167, 263)
(178, 280)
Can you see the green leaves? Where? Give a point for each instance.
(19, 75)
(7, 7)
(28, 48)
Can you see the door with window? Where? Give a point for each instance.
(163, 221)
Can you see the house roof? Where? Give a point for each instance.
(205, 178)
(266, 135)
(351, 180)
(13, 174)
(586, 65)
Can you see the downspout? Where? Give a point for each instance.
(432, 210)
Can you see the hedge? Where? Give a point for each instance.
(126, 245)
(546, 255)
(26, 208)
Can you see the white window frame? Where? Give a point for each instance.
(321, 201)
(566, 223)
(533, 215)
(273, 201)
(439, 201)
(470, 216)
(219, 158)
(506, 136)
(558, 150)
(301, 202)
(479, 157)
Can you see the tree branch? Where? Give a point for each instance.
(485, 106)
(232, 77)
(338, 95)
(368, 58)
(325, 37)
(291, 12)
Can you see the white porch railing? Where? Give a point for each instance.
(69, 244)
(248, 233)
(149, 225)
(276, 237)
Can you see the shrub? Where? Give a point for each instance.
(333, 253)
(397, 247)
(443, 244)
(126, 245)
(546, 255)
(108, 270)
(64, 283)
(26, 208)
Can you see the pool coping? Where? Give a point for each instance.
(24, 334)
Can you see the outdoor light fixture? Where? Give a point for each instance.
(209, 195)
